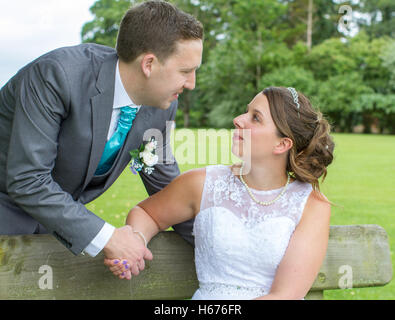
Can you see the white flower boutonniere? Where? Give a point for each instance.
(144, 158)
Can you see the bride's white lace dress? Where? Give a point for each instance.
(239, 243)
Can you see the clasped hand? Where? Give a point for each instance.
(125, 253)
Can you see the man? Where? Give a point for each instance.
(60, 114)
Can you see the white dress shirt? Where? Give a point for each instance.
(121, 99)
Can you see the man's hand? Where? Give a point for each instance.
(127, 245)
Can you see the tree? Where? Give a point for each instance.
(312, 21)
(368, 56)
(378, 19)
(330, 58)
(252, 45)
(103, 29)
(388, 62)
(376, 108)
(209, 14)
(292, 76)
(338, 98)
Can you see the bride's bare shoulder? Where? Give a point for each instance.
(189, 187)
(193, 177)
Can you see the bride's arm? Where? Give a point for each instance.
(305, 253)
(177, 202)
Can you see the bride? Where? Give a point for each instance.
(261, 228)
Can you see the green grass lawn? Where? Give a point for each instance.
(360, 179)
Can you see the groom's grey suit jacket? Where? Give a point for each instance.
(54, 119)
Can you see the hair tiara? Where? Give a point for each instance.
(295, 97)
(296, 100)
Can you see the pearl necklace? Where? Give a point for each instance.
(253, 197)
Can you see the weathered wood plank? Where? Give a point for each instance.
(362, 250)
(171, 275)
(315, 295)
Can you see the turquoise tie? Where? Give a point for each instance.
(116, 141)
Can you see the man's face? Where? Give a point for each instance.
(178, 72)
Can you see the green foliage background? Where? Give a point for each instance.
(253, 44)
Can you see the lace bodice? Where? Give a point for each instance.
(239, 243)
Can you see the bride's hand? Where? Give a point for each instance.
(119, 267)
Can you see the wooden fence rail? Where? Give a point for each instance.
(39, 267)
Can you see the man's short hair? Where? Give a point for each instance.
(155, 26)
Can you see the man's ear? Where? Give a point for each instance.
(283, 145)
(146, 64)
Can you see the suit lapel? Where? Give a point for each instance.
(101, 110)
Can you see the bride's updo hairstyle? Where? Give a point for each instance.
(295, 118)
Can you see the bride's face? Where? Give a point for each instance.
(255, 136)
